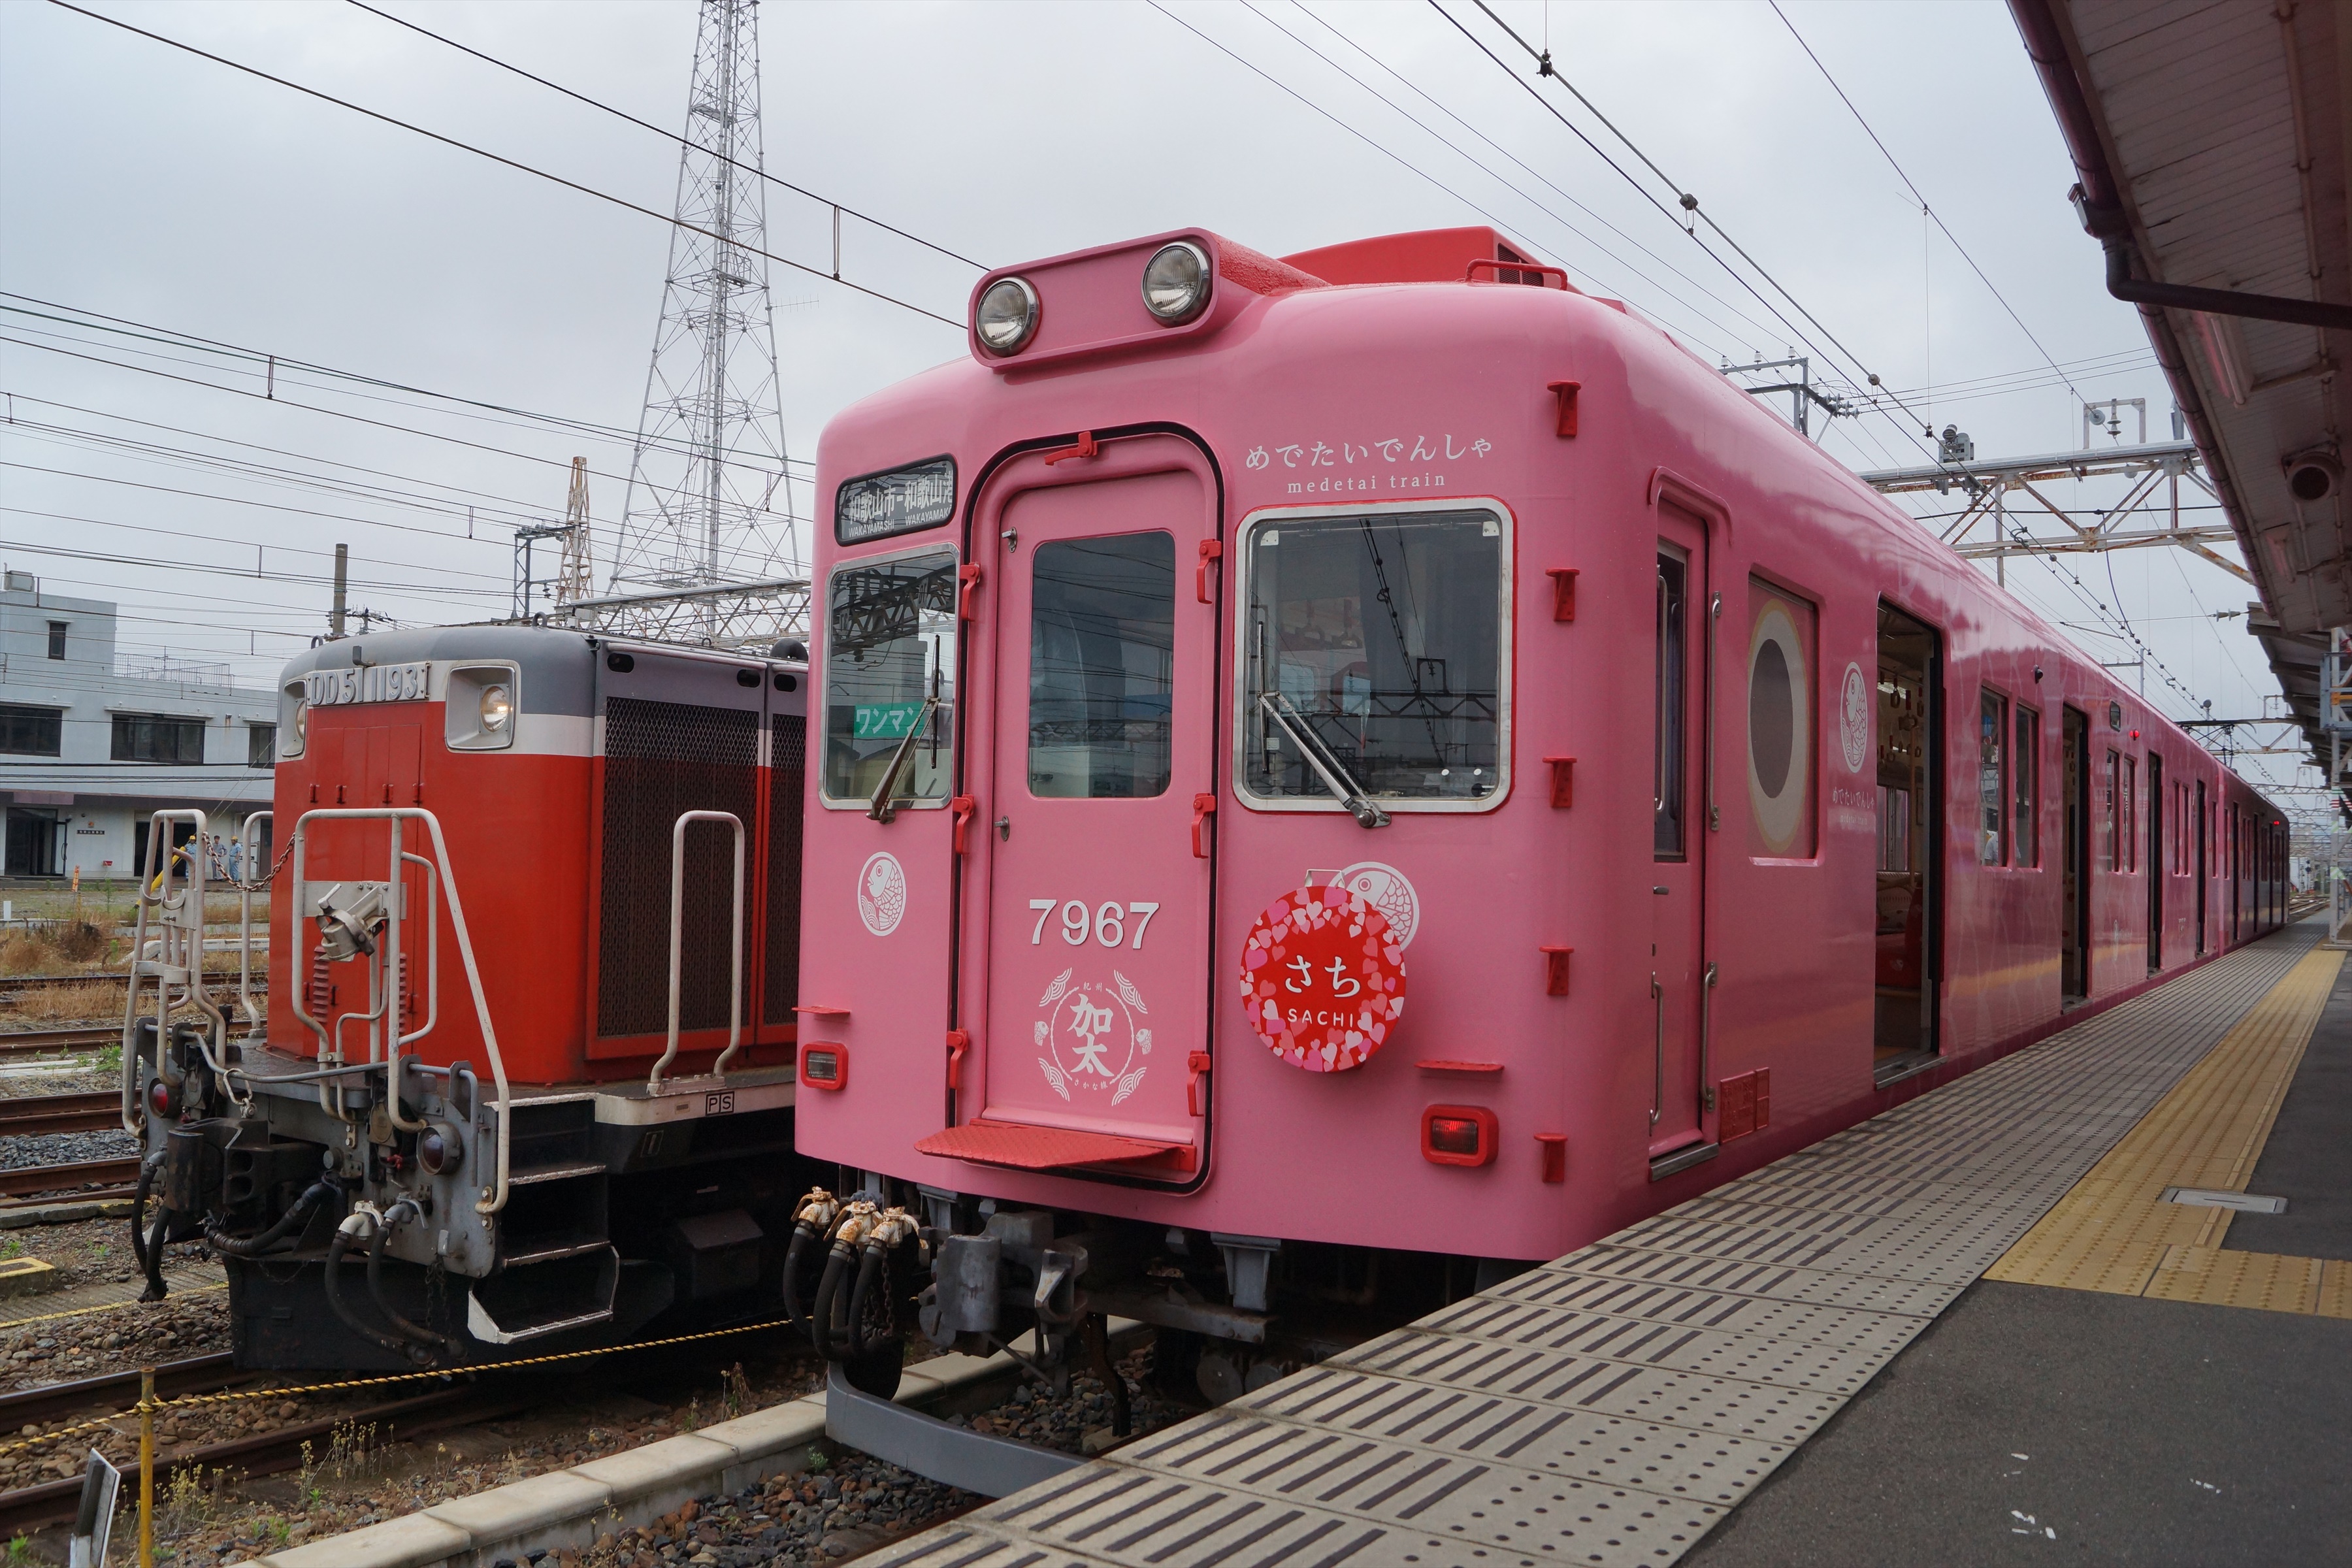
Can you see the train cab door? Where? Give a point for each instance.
(1681, 834)
(1099, 772)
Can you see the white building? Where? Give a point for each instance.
(90, 744)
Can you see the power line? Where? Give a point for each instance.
(249, 573)
(1473, 162)
(261, 505)
(669, 135)
(1924, 206)
(273, 365)
(1394, 156)
(496, 158)
(1689, 203)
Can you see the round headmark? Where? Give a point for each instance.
(1853, 719)
(1322, 978)
(881, 893)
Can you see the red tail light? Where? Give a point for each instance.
(161, 1103)
(1457, 1135)
(824, 1065)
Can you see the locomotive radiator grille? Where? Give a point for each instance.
(662, 758)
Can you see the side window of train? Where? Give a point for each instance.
(1992, 778)
(1377, 638)
(2025, 793)
(2111, 802)
(1780, 643)
(1667, 765)
(889, 673)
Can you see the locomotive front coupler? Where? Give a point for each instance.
(988, 1290)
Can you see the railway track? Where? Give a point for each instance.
(41, 1042)
(117, 1177)
(92, 1112)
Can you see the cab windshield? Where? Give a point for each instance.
(1379, 637)
(890, 671)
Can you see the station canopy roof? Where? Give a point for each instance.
(2210, 142)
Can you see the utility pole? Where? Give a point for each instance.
(342, 589)
(711, 443)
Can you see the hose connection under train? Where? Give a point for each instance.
(364, 1223)
(288, 1224)
(813, 1221)
(150, 1256)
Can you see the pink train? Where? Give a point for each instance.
(1339, 776)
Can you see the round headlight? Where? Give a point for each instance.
(302, 721)
(1176, 281)
(440, 1150)
(1007, 317)
(497, 708)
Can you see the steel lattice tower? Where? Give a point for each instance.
(710, 445)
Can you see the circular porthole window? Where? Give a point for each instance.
(1779, 722)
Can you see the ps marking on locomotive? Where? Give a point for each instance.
(1323, 978)
(1090, 1036)
(881, 893)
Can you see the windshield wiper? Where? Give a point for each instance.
(1320, 757)
(882, 806)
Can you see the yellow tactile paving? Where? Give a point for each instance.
(2114, 1232)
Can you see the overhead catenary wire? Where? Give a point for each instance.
(508, 163)
(1485, 169)
(671, 135)
(1925, 205)
(278, 365)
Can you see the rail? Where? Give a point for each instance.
(677, 924)
(493, 1197)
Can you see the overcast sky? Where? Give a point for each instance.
(150, 184)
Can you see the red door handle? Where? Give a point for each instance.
(967, 581)
(1211, 550)
(963, 805)
(959, 1042)
(1199, 1063)
(1204, 806)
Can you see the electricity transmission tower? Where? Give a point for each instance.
(710, 445)
(572, 581)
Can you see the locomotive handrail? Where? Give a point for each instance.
(676, 920)
(176, 941)
(247, 845)
(401, 1042)
(1334, 773)
(494, 1199)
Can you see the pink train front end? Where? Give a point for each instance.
(1660, 798)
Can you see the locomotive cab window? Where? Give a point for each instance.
(1375, 637)
(889, 678)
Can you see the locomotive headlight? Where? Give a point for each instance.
(1007, 317)
(1176, 281)
(497, 708)
(440, 1150)
(302, 723)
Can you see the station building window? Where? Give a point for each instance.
(57, 639)
(30, 731)
(1992, 778)
(157, 738)
(261, 745)
(2025, 791)
(1779, 722)
(889, 671)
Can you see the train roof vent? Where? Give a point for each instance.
(1426, 256)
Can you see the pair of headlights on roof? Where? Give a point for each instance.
(1176, 284)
